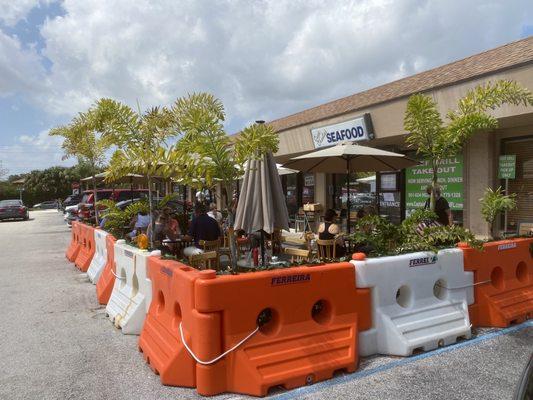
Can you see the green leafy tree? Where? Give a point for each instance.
(435, 140)
(206, 156)
(83, 140)
(495, 202)
(141, 138)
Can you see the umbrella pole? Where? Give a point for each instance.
(263, 248)
(131, 189)
(348, 194)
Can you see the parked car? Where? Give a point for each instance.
(86, 205)
(13, 209)
(72, 200)
(46, 205)
(71, 214)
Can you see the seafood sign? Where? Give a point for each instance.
(349, 131)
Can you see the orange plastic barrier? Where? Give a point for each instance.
(308, 317)
(172, 303)
(74, 246)
(104, 286)
(87, 247)
(503, 279)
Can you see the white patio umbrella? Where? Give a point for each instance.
(285, 171)
(261, 205)
(349, 157)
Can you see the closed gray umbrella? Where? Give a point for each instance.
(261, 202)
(261, 205)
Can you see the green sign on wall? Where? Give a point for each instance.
(507, 167)
(450, 173)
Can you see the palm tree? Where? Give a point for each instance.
(206, 156)
(436, 141)
(84, 141)
(140, 137)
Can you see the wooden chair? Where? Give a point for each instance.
(225, 249)
(275, 241)
(211, 245)
(208, 260)
(297, 255)
(326, 249)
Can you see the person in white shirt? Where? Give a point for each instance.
(214, 213)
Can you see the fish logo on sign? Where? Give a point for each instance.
(418, 262)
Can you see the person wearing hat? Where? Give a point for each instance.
(328, 230)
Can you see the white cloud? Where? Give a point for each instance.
(20, 69)
(15, 10)
(264, 59)
(31, 152)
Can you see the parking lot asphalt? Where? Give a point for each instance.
(56, 343)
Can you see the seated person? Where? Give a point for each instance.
(162, 231)
(214, 213)
(328, 230)
(173, 225)
(139, 223)
(202, 227)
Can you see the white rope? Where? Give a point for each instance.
(118, 277)
(214, 360)
(463, 287)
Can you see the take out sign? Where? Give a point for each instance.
(349, 131)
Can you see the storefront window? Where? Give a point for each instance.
(291, 193)
(308, 188)
(362, 192)
(522, 184)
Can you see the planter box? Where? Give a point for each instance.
(419, 301)
(503, 275)
(310, 320)
(132, 291)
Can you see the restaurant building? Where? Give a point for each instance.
(375, 118)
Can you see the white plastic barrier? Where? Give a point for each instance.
(100, 256)
(132, 292)
(419, 301)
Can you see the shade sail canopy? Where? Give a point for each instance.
(350, 156)
(261, 202)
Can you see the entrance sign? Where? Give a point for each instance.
(350, 131)
(507, 167)
(450, 179)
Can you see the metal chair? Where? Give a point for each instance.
(208, 260)
(326, 249)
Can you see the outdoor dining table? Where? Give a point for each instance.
(180, 243)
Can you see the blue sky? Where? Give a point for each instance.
(264, 59)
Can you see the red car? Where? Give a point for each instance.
(13, 209)
(86, 205)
